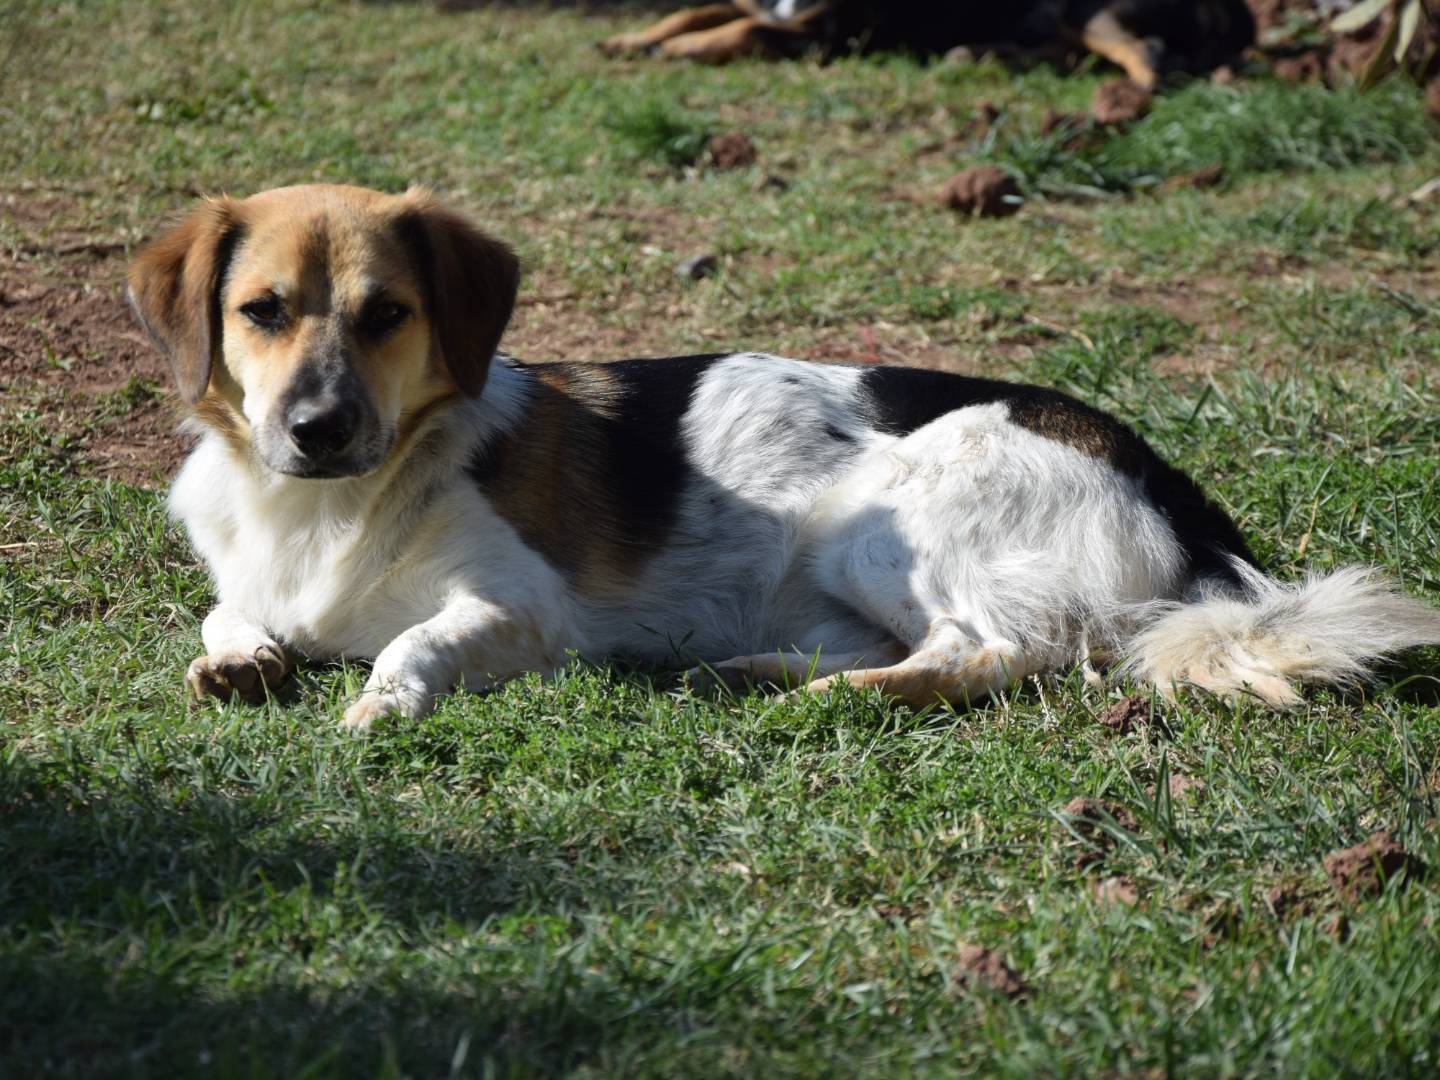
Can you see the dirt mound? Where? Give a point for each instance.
(1362, 870)
(982, 968)
(1119, 101)
(1126, 715)
(733, 150)
(984, 191)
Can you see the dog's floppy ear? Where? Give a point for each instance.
(469, 281)
(175, 287)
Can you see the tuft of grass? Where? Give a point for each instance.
(1259, 128)
(659, 132)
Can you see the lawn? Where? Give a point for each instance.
(605, 875)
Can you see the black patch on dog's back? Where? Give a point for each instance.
(593, 479)
(903, 400)
(648, 461)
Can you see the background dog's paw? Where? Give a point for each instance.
(246, 675)
(624, 45)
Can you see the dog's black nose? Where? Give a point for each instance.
(319, 431)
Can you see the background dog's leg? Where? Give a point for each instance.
(1104, 36)
(470, 641)
(743, 37)
(682, 22)
(241, 658)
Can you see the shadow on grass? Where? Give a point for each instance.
(68, 1014)
(141, 937)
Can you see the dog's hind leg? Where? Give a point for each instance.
(1140, 59)
(688, 21)
(950, 668)
(743, 37)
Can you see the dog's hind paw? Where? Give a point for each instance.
(248, 676)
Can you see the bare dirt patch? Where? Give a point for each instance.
(1116, 892)
(67, 330)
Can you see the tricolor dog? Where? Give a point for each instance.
(374, 480)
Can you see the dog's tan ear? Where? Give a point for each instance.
(470, 281)
(175, 287)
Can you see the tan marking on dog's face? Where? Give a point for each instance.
(323, 305)
(321, 324)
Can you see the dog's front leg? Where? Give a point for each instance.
(240, 659)
(470, 641)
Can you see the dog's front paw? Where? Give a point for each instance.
(390, 700)
(248, 676)
(359, 717)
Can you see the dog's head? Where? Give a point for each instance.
(319, 322)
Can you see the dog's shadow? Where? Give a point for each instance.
(197, 881)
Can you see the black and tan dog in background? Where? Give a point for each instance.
(1147, 38)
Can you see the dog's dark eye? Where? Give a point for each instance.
(383, 316)
(265, 312)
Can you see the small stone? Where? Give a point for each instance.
(1119, 101)
(1362, 870)
(699, 266)
(733, 150)
(984, 191)
(983, 968)
(1117, 891)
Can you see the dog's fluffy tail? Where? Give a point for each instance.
(1257, 636)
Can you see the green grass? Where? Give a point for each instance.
(1246, 130)
(604, 876)
(655, 131)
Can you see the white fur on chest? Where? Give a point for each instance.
(341, 568)
(295, 555)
